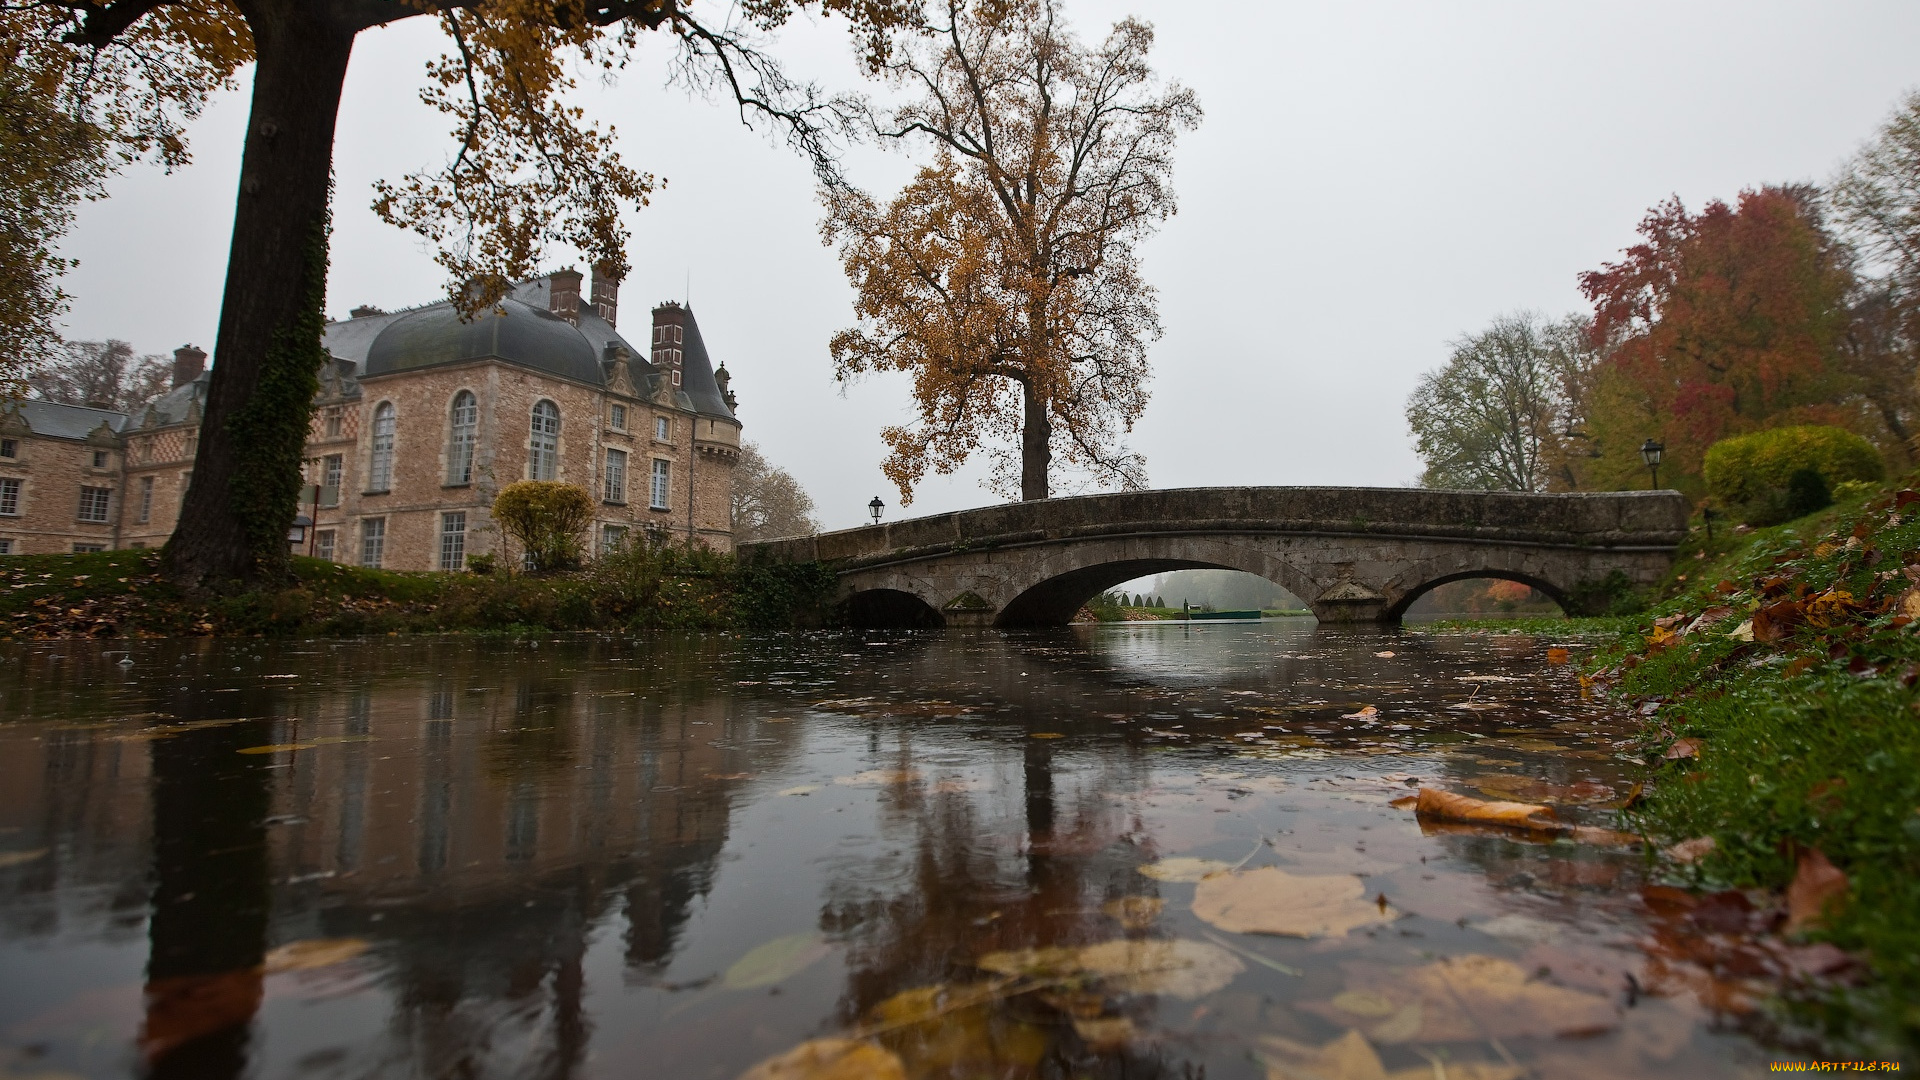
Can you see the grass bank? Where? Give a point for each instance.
(121, 594)
(1777, 669)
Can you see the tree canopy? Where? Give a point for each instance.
(1005, 276)
(1497, 415)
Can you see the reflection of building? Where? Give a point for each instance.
(420, 420)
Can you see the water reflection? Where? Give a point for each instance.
(680, 856)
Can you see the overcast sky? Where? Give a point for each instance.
(1371, 180)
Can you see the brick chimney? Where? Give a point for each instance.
(188, 364)
(606, 294)
(669, 334)
(563, 294)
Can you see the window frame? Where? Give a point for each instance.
(146, 500)
(463, 438)
(324, 543)
(381, 445)
(10, 449)
(12, 488)
(101, 460)
(103, 496)
(613, 488)
(373, 542)
(662, 429)
(660, 489)
(543, 446)
(333, 474)
(616, 416)
(453, 541)
(613, 537)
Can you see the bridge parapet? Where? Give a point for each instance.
(1352, 553)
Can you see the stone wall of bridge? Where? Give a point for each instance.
(1354, 554)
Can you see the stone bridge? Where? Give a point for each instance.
(1353, 554)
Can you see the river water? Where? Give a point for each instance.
(682, 856)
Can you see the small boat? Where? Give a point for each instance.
(1223, 614)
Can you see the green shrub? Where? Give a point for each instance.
(549, 520)
(1753, 475)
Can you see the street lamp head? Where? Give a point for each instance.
(875, 507)
(1650, 452)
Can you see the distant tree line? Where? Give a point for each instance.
(1794, 304)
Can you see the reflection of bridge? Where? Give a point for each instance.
(1353, 554)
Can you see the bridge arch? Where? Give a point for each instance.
(1398, 609)
(893, 609)
(1058, 584)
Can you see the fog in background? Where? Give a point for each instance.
(1371, 181)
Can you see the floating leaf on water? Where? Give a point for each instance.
(1134, 912)
(1183, 868)
(830, 1059)
(1046, 735)
(1691, 851)
(1365, 1003)
(879, 778)
(1471, 997)
(799, 789)
(1367, 713)
(944, 1030)
(1385, 654)
(1817, 885)
(1349, 1057)
(1179, 968)
(1271, 901)
(1105, 1032)
(276, 748)
(18, 858)
(313, 953)
(1445, 806)
(775, 961)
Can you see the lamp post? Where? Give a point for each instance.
(875, 507)
(1650, 452)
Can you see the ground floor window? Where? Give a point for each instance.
(662, 473)
(6, 547)
(453, 540)
(373, 541)
(82, 549)
(323, 544)
(138, 545)
(94, 502)
(612, 538)
(146, 498)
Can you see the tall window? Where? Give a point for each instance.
(617, 417)
(99, 459)
(10, 497)
(373, 541)
(662, 471)
(662, 428)
(453, 540)
(612, 538)
(380, 473)
(146, 498)
(466, 420)
(93, 503)
(333, 467)
(9, 448)
(544, 461)
(334, 422)
(616, 476)
(323, 544)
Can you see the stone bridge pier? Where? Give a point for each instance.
(1355, 555)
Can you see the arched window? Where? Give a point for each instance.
(544, 461)
(466, 420)
(380, 471)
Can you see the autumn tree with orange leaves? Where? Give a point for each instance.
(1715, 324)
(1005, 277)
(525, 170)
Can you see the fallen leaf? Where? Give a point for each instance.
(183, 1008)
(1446, 806)
(1817, 885)
(1743, 632)
(1105, 1032)
(799, 789)
(830, 1059)
(1367, 713)
(1385, 654)
(1046, 735)
(775, 961)
(1271, 901)
(1558, 656)
(944, 1030)
(17, 858)
(313, 953)
(1466, 998)
(1777, 621)
(1349, 1057)
(1178, 968)
(1691, 851)
(1134, 912)
(1685, 748)
(879, 778)
(1183, 868)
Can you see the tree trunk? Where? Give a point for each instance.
(246, 478)
(1036, 445)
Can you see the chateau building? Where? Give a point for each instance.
(421, 418)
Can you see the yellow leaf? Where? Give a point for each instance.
(1046, 735)
(879, 778)
(1134, 912)
(1469, 997)
(1105, 1032)
(313, 953)
(1180, 968)
(774, 961)
(1349, 1057)
(1271, 901)
(1183, 868)
(1445, 806)
(830, 1059)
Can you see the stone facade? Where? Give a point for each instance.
(420, 420)
(1354, 554)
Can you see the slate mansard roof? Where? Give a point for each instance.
(521, 331)
(59, 421)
